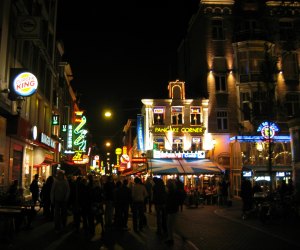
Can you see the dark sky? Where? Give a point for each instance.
(121, 52)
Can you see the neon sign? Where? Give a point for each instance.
(268, 129)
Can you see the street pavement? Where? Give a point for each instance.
(206, 227)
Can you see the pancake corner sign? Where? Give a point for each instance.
(25, 84)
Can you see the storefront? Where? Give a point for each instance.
(264, 158)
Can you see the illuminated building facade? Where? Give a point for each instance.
(244, 57)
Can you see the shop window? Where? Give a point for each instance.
(222, 120)
(195, 116)
(177, 115)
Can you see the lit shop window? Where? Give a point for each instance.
(195, 115)
(158, 115)
(177, 115)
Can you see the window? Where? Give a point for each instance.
(177, 144)
(290, 67)
(196, 144)
(245, 105)
(286, 31)
(158, 115)
(260, 103)
(222, 120)
(158, 143)
(177, 115)
(292, 103)
(220, 81)
(217, 29)
(195, 116)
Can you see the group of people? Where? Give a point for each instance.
(248, 192)
(92, 199)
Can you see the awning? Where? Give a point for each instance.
(134, 170)
(183, 166)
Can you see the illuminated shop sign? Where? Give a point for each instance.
(70, 137)
(195, 110)
(55, 120)
(140, 132)
(47, 140)
(268, 129)
(182, 155)
(158, 110)
(199, 130)
(176, 109)
(276, 138)
(25, 84)
(80, 132)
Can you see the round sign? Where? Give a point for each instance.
(118, 151)
(25, 84)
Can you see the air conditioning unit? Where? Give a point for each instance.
(28, 28)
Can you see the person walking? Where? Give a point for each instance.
(159, 201)
(35, 190)
(246, 195)
(60, 192)
(172, 208)
(108, 191)
(48, 209)
(139, 194)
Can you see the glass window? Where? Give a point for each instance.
(177, 144)
(217, 29)
(245, 104)
(220, 81)
(259, 102)
(195, 116)
(158, 115)
(292, 103)
(177, 115)
(222, 120)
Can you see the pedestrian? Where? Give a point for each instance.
(148, 201)
(35, 190)
(172, 208)
(108, 191)
(159, 201)
(48, 209)
(60, 192)
(139, 194)
(182, 192)
(246, 195)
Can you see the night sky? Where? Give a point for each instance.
(121, 52)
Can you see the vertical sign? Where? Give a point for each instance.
(140, 132)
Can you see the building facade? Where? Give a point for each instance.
(244, 56)
(30, 123)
